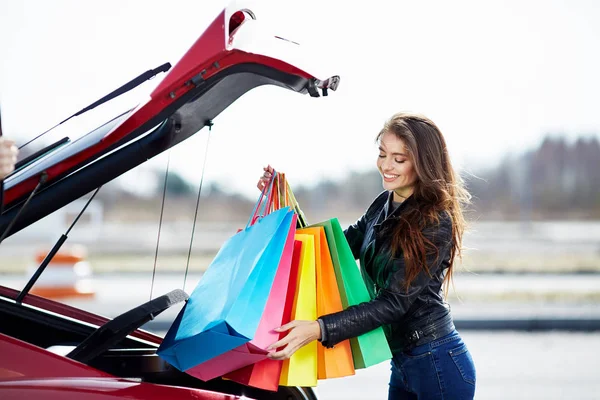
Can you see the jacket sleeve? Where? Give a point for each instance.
(393, 301)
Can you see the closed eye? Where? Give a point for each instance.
(396, 160)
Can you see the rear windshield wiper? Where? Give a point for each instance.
(123, 89)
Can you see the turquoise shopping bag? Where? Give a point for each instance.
(226, 306)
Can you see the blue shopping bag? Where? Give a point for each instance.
(225, 308)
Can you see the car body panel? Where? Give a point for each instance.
(21, 359)
(105, 388)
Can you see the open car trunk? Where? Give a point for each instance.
(45, 340)
(40, 326)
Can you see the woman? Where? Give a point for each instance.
(8, 156)
(406, 242)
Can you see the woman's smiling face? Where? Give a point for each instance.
(396, 166)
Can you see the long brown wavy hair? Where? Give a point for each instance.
(438, 189)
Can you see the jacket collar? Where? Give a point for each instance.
(410, 200)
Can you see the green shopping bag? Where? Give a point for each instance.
(372, 347)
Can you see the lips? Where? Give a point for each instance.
(390, 177)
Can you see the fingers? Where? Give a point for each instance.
(287, 326)
(268, 172)
(8, 156)
(281, 355)
(287, 348)
(279, 343)
(6, 170)
(265, 177)
(262, 182)
(5, 142)
(8, 148)
(300, 334)
(289, 345)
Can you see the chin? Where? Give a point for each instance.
(387, 186)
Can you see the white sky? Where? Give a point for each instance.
(494, 75)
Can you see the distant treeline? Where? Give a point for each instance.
(555, 181)
(558, 180)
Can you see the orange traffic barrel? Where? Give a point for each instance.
(67, 275)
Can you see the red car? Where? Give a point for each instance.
(49, 350)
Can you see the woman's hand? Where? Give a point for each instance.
(8, 156)
(265, 177)
(301, 333)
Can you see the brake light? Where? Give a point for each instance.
(236, 20)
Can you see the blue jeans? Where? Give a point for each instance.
(441, 369)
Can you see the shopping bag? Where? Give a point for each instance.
(255, 350)
(265, 374)
(225, 308)
(337, 361)
(301, 368)
(295, 206)
(372, 347)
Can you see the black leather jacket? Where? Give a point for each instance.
(409, 318)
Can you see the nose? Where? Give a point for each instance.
(386, 165)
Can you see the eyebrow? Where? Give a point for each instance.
(394, 154)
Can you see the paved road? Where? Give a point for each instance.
(466, 285)
(510, 365)
(482, 297)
